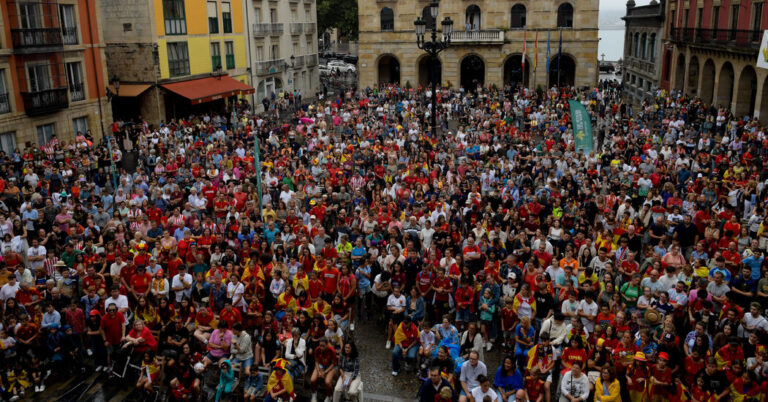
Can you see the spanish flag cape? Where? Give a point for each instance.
(280, 380)
(286, 302)
(741, 392)
(402, 333)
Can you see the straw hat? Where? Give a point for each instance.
(652, 317)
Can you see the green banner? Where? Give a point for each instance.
(582, 127)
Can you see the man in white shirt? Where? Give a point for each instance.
(396, 310)
(484, 390)
(753, 320)
(117, 267)
(36, 255)
(472, 371)
(426, 234)
(121, 301)
(9, 289)
(588, 311)
(181, 284)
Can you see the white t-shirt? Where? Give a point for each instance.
(397, 302)
(235, 292)
(590, 309)
(36, 252)
(176, 282)
(479, 395)
(8, 291)
(115, 268)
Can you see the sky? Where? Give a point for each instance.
(619, 4)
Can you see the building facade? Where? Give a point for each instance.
(283, 46)
(711, 52)
(644, 29)
(52, 72)
(487, 43)
(171, 58)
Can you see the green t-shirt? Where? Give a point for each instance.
(630, 292)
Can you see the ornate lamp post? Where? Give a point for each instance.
(433, 47)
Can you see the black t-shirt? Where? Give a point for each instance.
(176, 334)
(446, 366)
(544, 303)
(716, 383)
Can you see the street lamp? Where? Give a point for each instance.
(433, 47)
(115, 82)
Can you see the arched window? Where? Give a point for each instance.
(652, 50)
(644, 47)
(473, 18)
(426, 16)
(637, 45)
(387, 19)
(565, 16)
(517, 19)
(629, 44)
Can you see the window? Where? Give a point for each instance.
(686, 13)
(273, 15)
(517, 19)
(226, 17)
(229, 47)
(473, 18)
(45, 132)
(68, 27)
(637, 45)
(652, 47)
(39, 78)
(213, 18)
(757, 16)
(75, 82)
(295, 48)
(643, 46)
(215, 56)
(80, 125)
(715, 17)
(294, 15)
(178, 58)
(275, 52)
(29, 15)
(304, 79)
(257, 15)
(175, 17)
(565, 16)
(5, 100)
(260, 53)
(735, 16)
(8, 142)
(387, 19)
(699, 13)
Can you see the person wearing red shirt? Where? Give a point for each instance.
(140, 338)
(330, 276)
(112, 328)
(406, 343)
(140, 283)
(329, 252)
(142, 258)
(325, 367)
(315, 286)
(464, 304)
(575, 354)
(28, 296)
(545, 258)
(661, 378)
(230, 315)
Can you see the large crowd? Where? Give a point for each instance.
(634, 271)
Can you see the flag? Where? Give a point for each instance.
(525, 39)
(536, 52)
(548, 51)
(582, 126)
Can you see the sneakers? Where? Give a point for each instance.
(389, 346)
(42, 388)
(352, 326)
(37, 389)
(488, 347)
(394, 374)
(327, 399)
(89, 352)
(314, 397)
(423, 366)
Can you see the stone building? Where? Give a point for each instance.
(170, 58)
(487, 42)
(283, 46)
(711, 52)
(52, 71)
(644, 28)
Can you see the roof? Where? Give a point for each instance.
(208, 89)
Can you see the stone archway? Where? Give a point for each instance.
(427, 71)
(680, 73)
(389, 69)
(693, 76)
(746, 93)
(472, 72)
(513, 70)
(708, 81)
(562, 73)
(725, 87)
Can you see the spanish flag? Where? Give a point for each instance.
(741, 392)
(280, 380)
(402, 333)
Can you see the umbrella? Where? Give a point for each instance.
(307, 120)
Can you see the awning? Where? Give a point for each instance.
(209, 89)
(130, 90)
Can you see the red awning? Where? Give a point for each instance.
(209, 89)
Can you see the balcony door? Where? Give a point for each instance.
(39, 77)
(29, 15)
(68, 27)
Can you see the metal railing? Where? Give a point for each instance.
(69, 35)
(296, 28)
(77, 92)
(270, 66)
(310, 59)
(310, 27)
(732, 38)
(47, 101)
(5, 103)
(477, 37)
(298, 62)
(30, 38)
(267, 28)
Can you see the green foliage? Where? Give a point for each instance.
(408, 84)
(339, 14)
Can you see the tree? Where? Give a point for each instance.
(339, 14)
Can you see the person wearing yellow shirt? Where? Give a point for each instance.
(607, 388)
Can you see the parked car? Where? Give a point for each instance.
(607, 68)
(340, 66)
(350, 59)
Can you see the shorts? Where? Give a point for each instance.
(213, 358)
(244, 363)
(463, 315)
(396, 318)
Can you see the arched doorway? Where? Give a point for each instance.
(680, 73)
(513, 70)
(472, 18)
(427, 70)
(472, 72)
(562, 72)
(725, 88)
(708, 81)
(747, 93)
(764, 103)
(389, 70)
(693, 75)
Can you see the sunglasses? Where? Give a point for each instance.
(112, 310)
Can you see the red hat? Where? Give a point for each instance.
(160, 272)
(664, 356)
(94, 312)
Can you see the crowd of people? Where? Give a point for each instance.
(634, 271)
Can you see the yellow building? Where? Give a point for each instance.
(487, 42)
(170, 58)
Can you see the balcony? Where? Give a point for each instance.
(69, 35)
(267, 29)
(735, 40)
(640, 65)
(47, 101)
(310, 28)
(298, 62)
(296, 28)
(35, 40)
(270, 67)
(308, 1)
(5, 103)
(310, 59)
(477, 37)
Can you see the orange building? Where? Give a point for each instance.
(52, 72)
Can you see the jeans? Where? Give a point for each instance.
(397, 355)
(512, 398)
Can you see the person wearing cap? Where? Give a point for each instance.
(668, 344)
(160, 287)
(663, 385)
